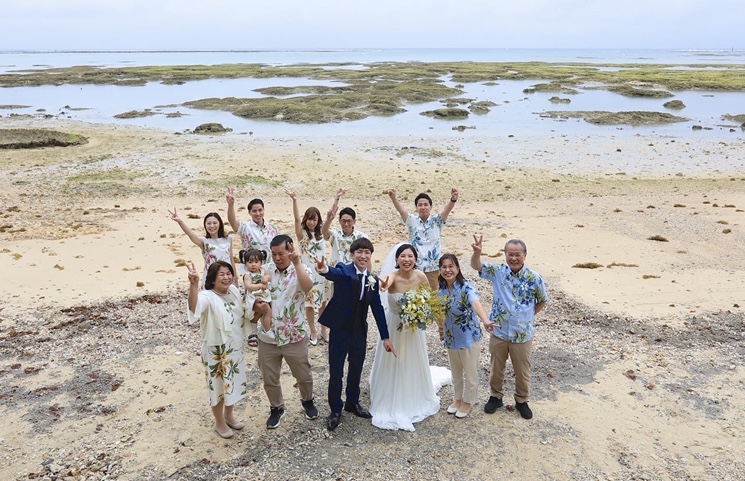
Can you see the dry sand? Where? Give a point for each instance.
(638, 367)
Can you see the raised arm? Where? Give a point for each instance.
(193, 286)
(230, 197)
(478, 241)
(326, 227)
(187, 230)
(296, 214)
(303, 279)
(449, 206)
(397, 204)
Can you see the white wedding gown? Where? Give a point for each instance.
(402, 391)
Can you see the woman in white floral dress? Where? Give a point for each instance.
(312, 250)
(219, 310)
(215, 246)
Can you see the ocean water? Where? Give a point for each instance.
(516, 112)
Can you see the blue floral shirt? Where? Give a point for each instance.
(515, 298)
(425, 237)
(462, 327)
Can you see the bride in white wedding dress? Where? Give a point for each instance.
(401, 388)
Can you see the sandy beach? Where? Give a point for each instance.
(638, 362)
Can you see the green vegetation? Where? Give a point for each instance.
(551, 87)
(630, 91)
(36, 138)
(599, 117)
(111, 175)
(237, 181)
(385, 88)
(335, 104)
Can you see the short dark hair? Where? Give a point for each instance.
(281, 239)
(254, 202)
(459, 279)
(422, 196)
(214, 268)
(361, 243)
(348, 211)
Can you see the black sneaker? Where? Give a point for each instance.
(524, 410)
(311, 412)
(275, 418)
(492, 405)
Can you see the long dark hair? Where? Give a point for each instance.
(459, 279)
(402, 248)
(220, 230)
(313, 212)
(209, 281)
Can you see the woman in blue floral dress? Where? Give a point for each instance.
(462, 332)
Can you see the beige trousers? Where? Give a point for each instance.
(519, 354)
(270, 363)
(464, 367)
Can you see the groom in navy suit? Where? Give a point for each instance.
(355, 290)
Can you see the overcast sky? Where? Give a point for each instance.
(247, 24)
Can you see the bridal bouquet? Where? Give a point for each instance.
(419, 308)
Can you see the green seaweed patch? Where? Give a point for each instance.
(354, 102)
(674, 105)
(631, 91)
(447, 113)
(740, 118)
(36, 138)
(550, 87)
(110, 175)
(134, 114)
(14, 106)
(238, 181)
(302, 90)
(600, 117)
(697, 77)
(559, 100)
(481, 107)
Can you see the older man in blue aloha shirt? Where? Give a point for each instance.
(519, 294)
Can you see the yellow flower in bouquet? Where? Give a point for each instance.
(419, 308)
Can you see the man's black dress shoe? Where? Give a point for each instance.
(332, 422)
(357, 410)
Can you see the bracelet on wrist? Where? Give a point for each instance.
(453, 200)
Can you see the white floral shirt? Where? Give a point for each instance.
(340, 245)
(255, 237)
(288, 304)
(215, 250)
(425, 237)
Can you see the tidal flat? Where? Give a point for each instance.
(355, 91)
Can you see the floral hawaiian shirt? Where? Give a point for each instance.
(288, 304)
(515, 298)
(255, 237)
(462, 327)
(340, 245)
(424, 235)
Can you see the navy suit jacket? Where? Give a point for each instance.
(339, 312)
